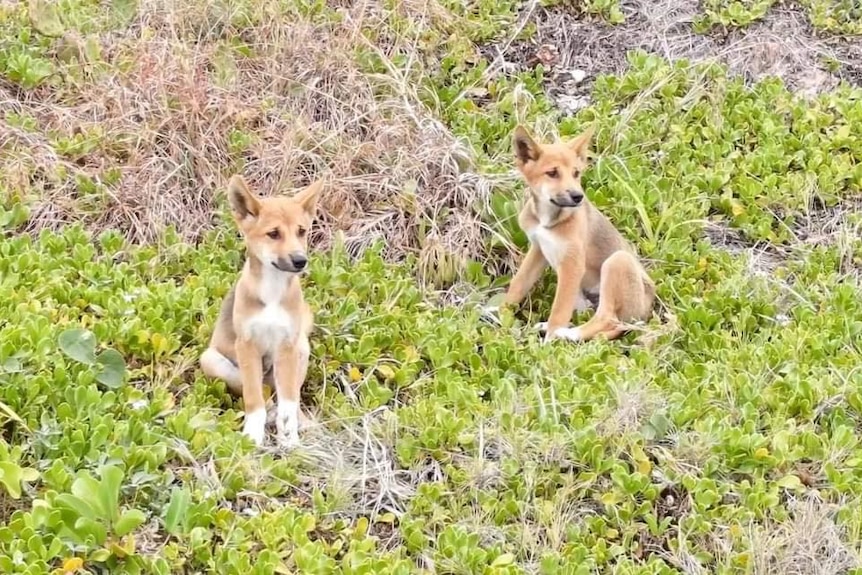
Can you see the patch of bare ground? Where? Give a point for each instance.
(838, 227)
(772, 263)
(193, 91)
(575, 49)
(672, 504)
(763, 257)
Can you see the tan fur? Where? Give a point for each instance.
(585, 250)
(263, 327)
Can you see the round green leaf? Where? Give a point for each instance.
(79, 344)
(112, 368)
(790, 481)
(100, 555)
(10, 476)
(130, 521)
(503, 560)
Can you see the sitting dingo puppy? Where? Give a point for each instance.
(264, 323)
(587, 253)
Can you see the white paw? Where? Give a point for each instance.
(287, 423)
(288, 441)
(254, 425)
(566, 333)
(541, 327)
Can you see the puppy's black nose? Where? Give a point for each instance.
(576, 196)
(298, 261)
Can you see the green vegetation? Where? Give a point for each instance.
(722, 437)
(837, 16)
(608, 10)
(732, 13)
(842, 16)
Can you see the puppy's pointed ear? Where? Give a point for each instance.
(307, 198)
(243, 202)
(526, 149)
(581, 144)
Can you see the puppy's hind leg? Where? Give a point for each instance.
(218, 366)
(622, 298)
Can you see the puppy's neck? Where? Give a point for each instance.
(271, 283)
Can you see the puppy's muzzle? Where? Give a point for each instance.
(292, 263)
(569, 199)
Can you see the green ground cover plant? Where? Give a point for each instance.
(733, 13)
(843, 16)
(721, 437)
(831, 16)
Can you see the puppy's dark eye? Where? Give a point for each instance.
(553, 173)
(577, 174)
(301, 232)
(274, 234)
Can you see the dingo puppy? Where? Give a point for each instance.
(264, 323)
(582, 246)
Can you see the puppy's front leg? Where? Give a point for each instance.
(291, 367)
(528, 274)
(251, 374)
(569, 276)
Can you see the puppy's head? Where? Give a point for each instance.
(553, 171)
(275, 229)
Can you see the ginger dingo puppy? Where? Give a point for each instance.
(582, 246)
(264, 323)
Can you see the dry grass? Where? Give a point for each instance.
(810, 543)
(179, 108)
(633, 406)
(356, 465)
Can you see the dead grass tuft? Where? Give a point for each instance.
(355, 465)
(810, 543)
(635, 403)
(194, 91)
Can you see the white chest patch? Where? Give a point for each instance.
(272, 325)
(552, 247)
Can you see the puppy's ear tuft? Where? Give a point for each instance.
(243, 202)
(307, 198)
(526, 149)
(581, 144)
